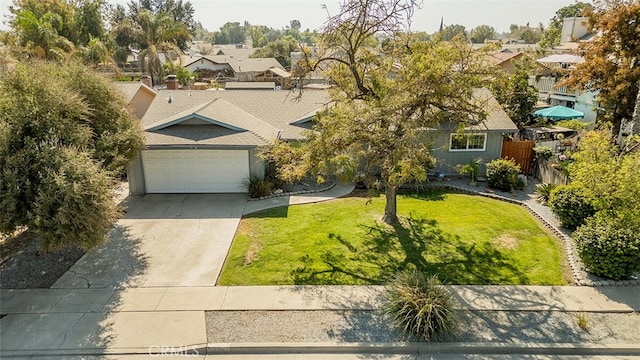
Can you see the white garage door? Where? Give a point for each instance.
(195, 171)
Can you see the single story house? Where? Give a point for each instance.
(207, 141)
(230, 68)
(453, 147)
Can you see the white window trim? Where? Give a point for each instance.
(484, 144)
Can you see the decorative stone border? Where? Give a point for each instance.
(330, 186)
(581, 277)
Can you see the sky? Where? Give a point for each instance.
(277, 14)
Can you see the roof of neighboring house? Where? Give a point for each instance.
(130, 89)
(229, 118)
(561, 58)
(502, 57)
(235, 52)
(239, 65)
(280, 72)
(246, 85)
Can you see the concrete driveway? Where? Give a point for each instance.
(163, 240)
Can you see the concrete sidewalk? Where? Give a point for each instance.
(339, 190)
(161, 299)
(138, 320)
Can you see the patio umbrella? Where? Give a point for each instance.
(559, 112)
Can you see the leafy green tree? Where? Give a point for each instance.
(76, 21)
(180, 11)
(280, 49)
(526, 33)
(39, 36)
(516, 95)
(230, 33)
(383, 103)
(89, 21)
(610, 178)
(58, 13)
(64, 133)
(551, 36)
(611, 59)
(183, 76)
(295, 25)
(482, 33)
(451, 31)
(257, 33)
(530, 36)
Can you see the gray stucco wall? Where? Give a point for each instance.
(257, 167)
(135, 176)
(447, 160)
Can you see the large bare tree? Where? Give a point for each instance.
(385, 103)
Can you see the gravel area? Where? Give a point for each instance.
(22, 266)
(370, 326)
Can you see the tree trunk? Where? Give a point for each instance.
(390, 208)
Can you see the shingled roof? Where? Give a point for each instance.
(239, 65)
(239, 117)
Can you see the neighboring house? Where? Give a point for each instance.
(453, 147)
(574, 31)
(225, 68)
(234, 51)
(275, 75)
(505, 60)
(206, 141)
(139, 96)
(552, 94)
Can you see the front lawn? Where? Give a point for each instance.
(465, 239)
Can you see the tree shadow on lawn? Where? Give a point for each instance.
(278, 212)
(415, 243)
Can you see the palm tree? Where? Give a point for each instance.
(39, 36)
(156, 34)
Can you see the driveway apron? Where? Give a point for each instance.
(163, 240)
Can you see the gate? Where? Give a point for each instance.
(520, 151)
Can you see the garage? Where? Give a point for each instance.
(195, 171)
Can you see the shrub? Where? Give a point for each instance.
(544, 191)
(421, 306)
(608, 246)
(472, 168)
(571, 205)
(572, 124)
(502, 174)
(257, 187)
(543, 152)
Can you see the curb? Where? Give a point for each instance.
(399, 348)
(420, 348)
(292, 193)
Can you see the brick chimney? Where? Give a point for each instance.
(172, 82)
(146, 79)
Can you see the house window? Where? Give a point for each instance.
(468, 142)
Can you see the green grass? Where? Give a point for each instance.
(465, 239)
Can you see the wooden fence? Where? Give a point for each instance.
(520, 151)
